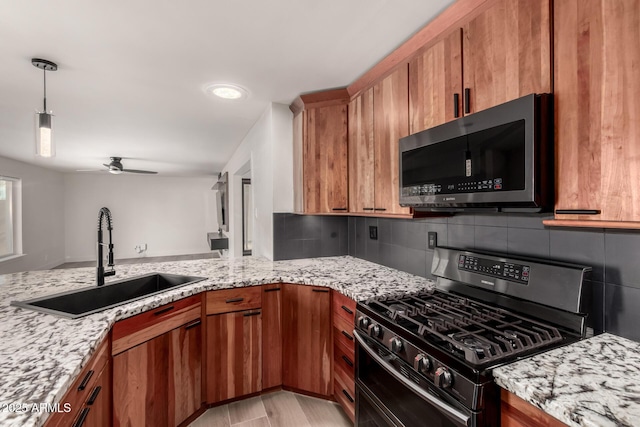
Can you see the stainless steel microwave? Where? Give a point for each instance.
(499, 159)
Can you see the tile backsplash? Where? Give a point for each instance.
(402, 244)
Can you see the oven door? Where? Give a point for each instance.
(386, 398)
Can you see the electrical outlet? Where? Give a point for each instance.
(373, 232)
(432, 239)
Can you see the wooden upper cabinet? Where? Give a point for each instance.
(378, 118)
(320, 150)
(391, 122)
(597, 99)
(435, 84)
(361, 154)
(507, 52)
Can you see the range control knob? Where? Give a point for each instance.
(364, 322)
(443, 377)
(422, 363)
(396, 344)
(375, 331)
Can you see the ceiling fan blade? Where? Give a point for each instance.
(106, 165)
(138, 171)
(90, 170)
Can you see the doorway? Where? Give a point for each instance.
(247, 223)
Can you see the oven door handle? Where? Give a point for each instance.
(448, 410)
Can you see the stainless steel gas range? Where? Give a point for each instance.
(425, 359)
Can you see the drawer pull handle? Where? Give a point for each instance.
(321, 290)
(380, 209)
(577, 212)
(347, 361)
(164, 310)
(94, 395)
(85, 381)
(82, 418)
(347, 309)
(193, 324)
(367, 209)
(230, 300)
(338, 209)
(254, 313)
(272, 290)
(346, 334)
(347, 394)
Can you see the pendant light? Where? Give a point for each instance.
(44, 133)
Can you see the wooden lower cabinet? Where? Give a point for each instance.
(344, 361)
(89, 397)
(271, 336)
(307, 344)
(515, 412)
(158, 382)
(97, 409)
(234, 355)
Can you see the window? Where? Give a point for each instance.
(10, 238)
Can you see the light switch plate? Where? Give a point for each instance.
(373, 232)
(432, 239)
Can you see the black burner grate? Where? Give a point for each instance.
(477, 332)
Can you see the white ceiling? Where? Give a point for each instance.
(132, 72)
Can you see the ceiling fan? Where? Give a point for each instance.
(115, 167)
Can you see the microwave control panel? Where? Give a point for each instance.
(503, 270)
(453, 188)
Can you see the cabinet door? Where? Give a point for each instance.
(391, 122)
(307, 341)
(597, 99)
(185, 377)
(435, 84)
(158, 382)
(361, 154)
(140, 384)
(271, 336)
(507, 52)
(325, 160)
(234, 355)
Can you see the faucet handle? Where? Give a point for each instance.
(111, 272)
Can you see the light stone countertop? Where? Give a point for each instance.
(594, 382)
(42, 354)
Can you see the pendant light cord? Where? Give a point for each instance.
(45, 89)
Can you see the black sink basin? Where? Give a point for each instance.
(85, 301)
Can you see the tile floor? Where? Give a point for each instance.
(277, 409)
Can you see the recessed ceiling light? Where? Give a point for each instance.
(227, 91)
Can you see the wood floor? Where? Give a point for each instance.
(142, 260)
(277, 409)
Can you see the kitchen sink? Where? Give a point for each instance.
(85, 301)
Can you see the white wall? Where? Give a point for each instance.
(170, 214)
(42, 217)
(267, 152)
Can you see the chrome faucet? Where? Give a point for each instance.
(104, 214)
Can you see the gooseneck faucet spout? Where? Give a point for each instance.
(104, 215)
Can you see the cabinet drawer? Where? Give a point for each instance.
(135, 330)
(237, 299)
(344, 307)
(345, 398)
(82, 387)
(344, 359)
(343, 333)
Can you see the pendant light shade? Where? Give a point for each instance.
(45, 146)
(44, 136)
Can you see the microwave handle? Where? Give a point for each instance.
(448, 410)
